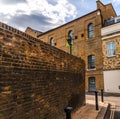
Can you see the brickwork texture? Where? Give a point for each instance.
(83, 46)
(37, 81)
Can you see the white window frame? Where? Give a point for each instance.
(90, 30)
(91, 62)
(111, 49)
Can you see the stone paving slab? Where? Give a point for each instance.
(89, 111)
(85, 112)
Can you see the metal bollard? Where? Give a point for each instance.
(96, 100)
(68, 112)
(102, 95)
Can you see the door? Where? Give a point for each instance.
(92, 84)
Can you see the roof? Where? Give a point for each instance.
(29, 28)
(68, 23)
(98, 9)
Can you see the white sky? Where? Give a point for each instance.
(46, 14)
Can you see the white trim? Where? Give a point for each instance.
(111, 56)
(110, 31)
(106, 37)
(91, 69)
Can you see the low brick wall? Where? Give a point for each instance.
(37, 81)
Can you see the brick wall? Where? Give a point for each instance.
(82, 46)
(106, 10)
(32, 32)
(37, 81)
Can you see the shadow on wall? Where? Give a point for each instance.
(37, 80)
(75, 101)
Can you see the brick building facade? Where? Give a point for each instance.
(32, 32)
(82, 38)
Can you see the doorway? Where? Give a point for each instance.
(92, 84)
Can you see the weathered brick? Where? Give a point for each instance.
(36, 80)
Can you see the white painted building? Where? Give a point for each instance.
(111, 55)
(112, 81)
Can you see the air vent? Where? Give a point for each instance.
(82, 35)
(76, 37)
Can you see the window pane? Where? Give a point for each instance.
(92, 84)
(90, 31)
(91, 61)
(90, 34)
(111, 49)
(91, 27)
(70, 37)
(52, 42)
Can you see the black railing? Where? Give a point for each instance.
(109, 22)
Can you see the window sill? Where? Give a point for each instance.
(111, 56)
(90, 39)
(91, 69)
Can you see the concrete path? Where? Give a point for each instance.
(113, 99)
(89, 111)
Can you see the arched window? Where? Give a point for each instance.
(70, 37)
(91, 62)
(90, 30)
(52, 43)
(92, 84)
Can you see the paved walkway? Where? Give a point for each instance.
(89, 112)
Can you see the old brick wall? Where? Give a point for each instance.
(37, 81)
(82, 45)
(32, 32)
(106, 10)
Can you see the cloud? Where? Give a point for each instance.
(53, 2)
(12, 1)
(36, 21)
(43, 13)
(60, 10)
